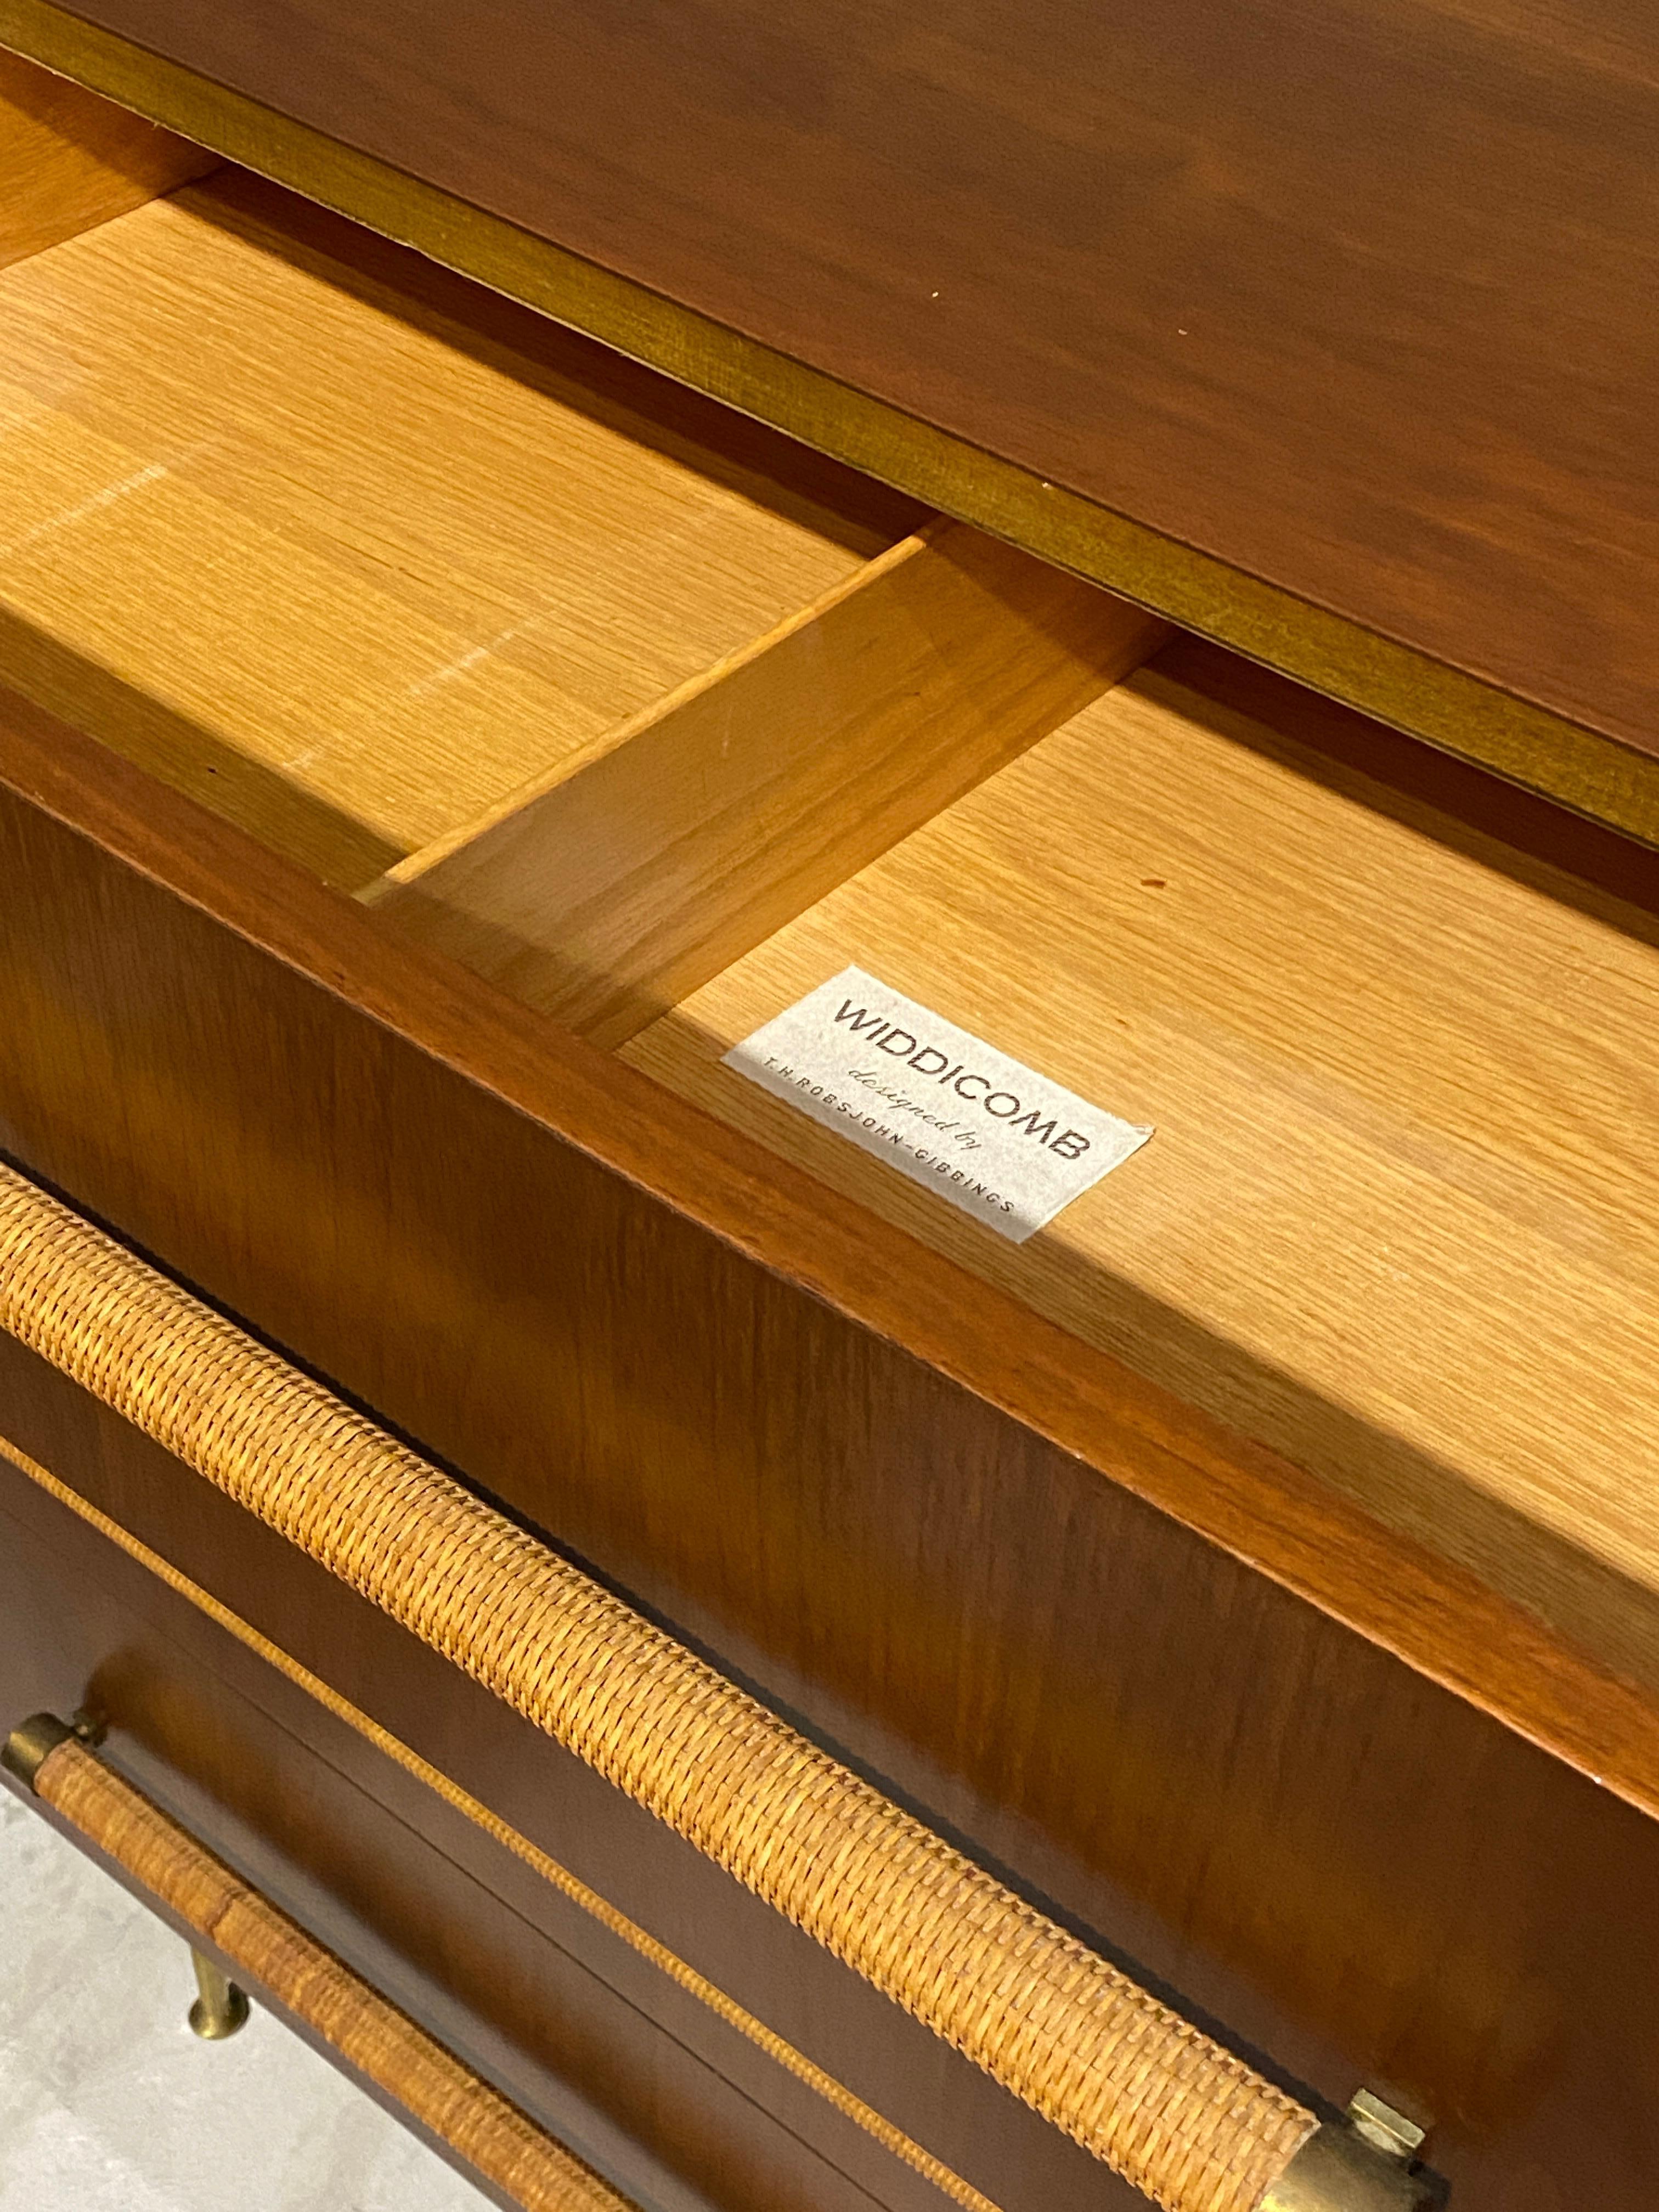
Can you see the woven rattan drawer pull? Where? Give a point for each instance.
(1174, 2112)
(477, 2123)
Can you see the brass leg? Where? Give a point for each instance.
(222, 2009)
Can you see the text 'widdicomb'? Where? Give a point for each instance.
(942, 1106)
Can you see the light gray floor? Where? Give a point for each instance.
(109, 2104)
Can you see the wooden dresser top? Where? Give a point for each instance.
(1329, 329)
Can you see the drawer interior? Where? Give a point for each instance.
(349, 548)
(1400, 1216)
(659, 721)
(69, 161)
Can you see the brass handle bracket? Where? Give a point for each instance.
(31, 1744)
(1361, 2163)
(33, 1741)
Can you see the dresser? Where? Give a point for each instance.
(828, 1245)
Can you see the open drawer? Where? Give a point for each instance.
(661, 722)
(1199, 1550)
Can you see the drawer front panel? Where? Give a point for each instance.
(1357, 1871)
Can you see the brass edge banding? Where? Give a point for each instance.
(1565, 760)
(30, 1753)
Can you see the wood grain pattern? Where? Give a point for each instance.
(649, 862)
(1400, 1218)
(329, 539)
(1354, 302)
(285, 1163)
(69, 161)
(1309, 1782)
(977, 1553)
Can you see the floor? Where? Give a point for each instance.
(109, 2104)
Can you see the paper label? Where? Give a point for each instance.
(948, 1110)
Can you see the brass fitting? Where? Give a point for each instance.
(222, 2007)
(1358, 2164)
(31, 1743)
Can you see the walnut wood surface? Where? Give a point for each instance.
(352, 1143)
(1174, 2112)
(350, 548)
(1357, 299)
(69, 161)
(651, 861)
(1365, 1917)
(1048, 1602)
(1404, 1087)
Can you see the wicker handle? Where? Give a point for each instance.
(1176, 2115)
(476, 2121)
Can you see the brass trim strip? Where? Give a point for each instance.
(500, 2142)
(617, 1922)
(1580, 767)
(1163, 2104)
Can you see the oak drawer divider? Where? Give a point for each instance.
(69, 161)
(636, 869)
